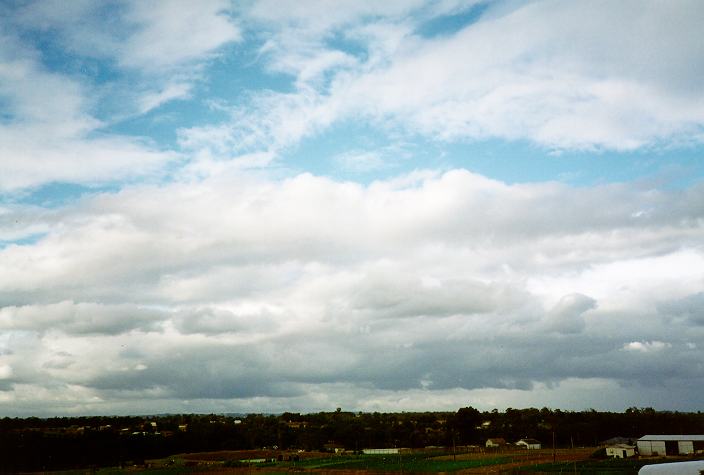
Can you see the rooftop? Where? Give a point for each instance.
(698, 437)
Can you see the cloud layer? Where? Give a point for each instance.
(243, 287)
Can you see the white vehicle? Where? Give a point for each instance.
(695, 467)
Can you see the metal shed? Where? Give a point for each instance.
(670, 444)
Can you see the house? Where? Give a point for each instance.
(528, 444)
(333, 447)
(297, 424)
(620, 451)
(495, 442)
(618, 440)
(670, 444)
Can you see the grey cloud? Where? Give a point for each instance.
(566, 316)
(690, 308)
(440, 283)
(213, 321)
(197, 371)
(59, 360)
(402, 354)
(392, 293)
(80, 318)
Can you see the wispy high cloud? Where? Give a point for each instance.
(563, 76)
(53, 130)
(48, 131)
(135, 34)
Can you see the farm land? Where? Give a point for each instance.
(517, 462)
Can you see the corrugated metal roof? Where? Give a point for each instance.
(529, 441)
(698, 437)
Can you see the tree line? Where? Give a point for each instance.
(31, 444)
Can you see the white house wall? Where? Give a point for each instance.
(619, 452)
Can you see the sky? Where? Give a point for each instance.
(273, 205)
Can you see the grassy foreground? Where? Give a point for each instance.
(572, 461)
(405, 463)
(598, 467)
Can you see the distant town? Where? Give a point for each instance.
(514, 439)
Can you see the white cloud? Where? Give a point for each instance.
(50, 135)
(277, 287)
(319, 16)
(5, 371)
(169, 93)
(585, 76)
(270, 123)
(150, 36)
(157, 49)
(646, 346)
(565, 77)
(173, 32)
(360, 161)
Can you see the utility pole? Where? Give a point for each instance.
(454, 447)
(554, 454)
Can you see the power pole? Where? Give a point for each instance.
(454, 447)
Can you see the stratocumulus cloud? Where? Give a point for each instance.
(302, 286)
(407, 206)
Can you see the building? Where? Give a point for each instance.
(495, 442)
(528, 444)
(333, 447)
(670, 444)
(620, 451)
(381, 451)
(618, 440)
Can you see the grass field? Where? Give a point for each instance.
(598, 467)
(405, 463)
(527, 462)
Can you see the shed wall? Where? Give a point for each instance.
(651, 447)
(685, 447)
